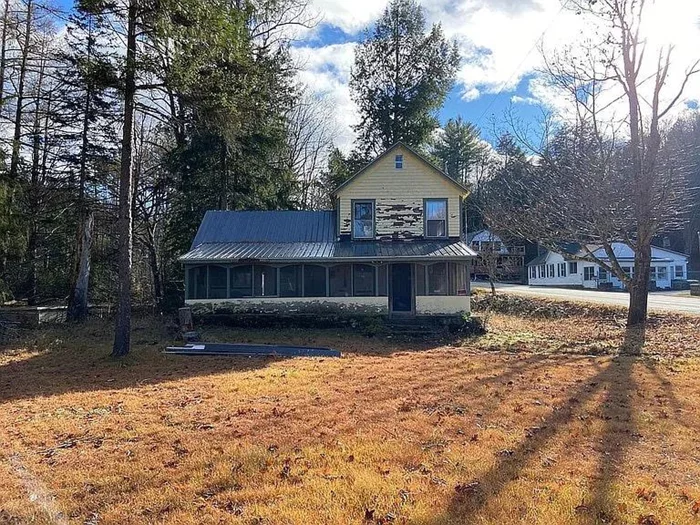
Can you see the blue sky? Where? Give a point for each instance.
(486, 111)
(502, 43)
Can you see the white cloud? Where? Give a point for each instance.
(350, 16)
(326, 72)
(499, 41)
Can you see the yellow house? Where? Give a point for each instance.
(394, 245)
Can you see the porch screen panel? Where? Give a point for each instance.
(290, 281)
(458, 278)
(363, 280)
(242, 281)
(340, 280)
(437, 279)
(265, 281)
(382, 276)
(420, 279)
(197, 283)
(314, 280)
(218, 282)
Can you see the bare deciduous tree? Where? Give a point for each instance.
(607, 174)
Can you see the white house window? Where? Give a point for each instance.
(679, 274)
(603, 275)
(627, 270)
(550, 270)
(363, 219)
(543, 271)
(561, 270)
(662, 273)
(588, 273)
(398, 162)
(436, 218)
(573, 267)
(533, 272)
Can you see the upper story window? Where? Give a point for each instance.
(363, 219)
(436, 218)
(398, 162)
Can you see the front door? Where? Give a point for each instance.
(401, 289)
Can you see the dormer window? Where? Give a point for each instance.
(363, 219)
(436, 218)
(398, 162)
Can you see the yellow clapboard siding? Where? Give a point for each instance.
(399, 194)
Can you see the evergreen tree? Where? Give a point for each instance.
(87, 114)
(458, 149)
(400, 79)
(337, 171)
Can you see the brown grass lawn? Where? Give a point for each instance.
(537, 422)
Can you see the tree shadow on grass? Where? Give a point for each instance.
(69, 358)
(619, 432)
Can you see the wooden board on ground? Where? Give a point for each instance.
(251, 350)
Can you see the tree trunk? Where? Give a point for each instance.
(78, 300)
(155, 271)
(17, 135)
(639, 287)
(3, 52)
(122, 332)
(32, 254)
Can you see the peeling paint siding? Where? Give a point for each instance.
(399, 195)
(441, 304)
(292, 305)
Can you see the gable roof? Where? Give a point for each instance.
(412, 151)
(266, 226)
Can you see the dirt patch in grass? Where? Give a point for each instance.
(523, 425)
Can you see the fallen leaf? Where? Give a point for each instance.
(648, 519)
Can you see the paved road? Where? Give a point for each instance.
(666, 301)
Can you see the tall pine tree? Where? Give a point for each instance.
(400, 79)
(458, 148)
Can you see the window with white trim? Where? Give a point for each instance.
(662, 273)
(363, 219)
(398, 162)
(561, 270)
(573, 267)
(588, 273)
(436, 218)
(679, 272)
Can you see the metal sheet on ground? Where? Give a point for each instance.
(251, 350)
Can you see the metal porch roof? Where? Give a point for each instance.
(327, 251)
(266, 227)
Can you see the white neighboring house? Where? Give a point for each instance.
(554, 269)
